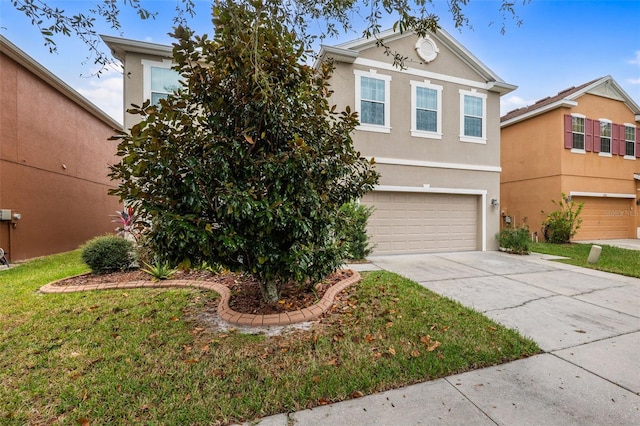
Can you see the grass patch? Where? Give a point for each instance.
(145, 356)
(612, 259)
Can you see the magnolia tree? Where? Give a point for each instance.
(248, 164)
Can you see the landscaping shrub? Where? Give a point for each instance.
(108, 253)
(561, 225)
(515, 240)
(355, 230)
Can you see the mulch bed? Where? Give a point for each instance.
(245, 291)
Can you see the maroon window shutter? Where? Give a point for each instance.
(596, 136)
(615, 138)
(568, 133)
(637, 143)
(588, 134)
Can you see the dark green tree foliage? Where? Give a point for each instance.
(248, 165)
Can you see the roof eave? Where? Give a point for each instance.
(562, 103)
(501, 87)
(338, 54)
(15, 53)
(120, 46)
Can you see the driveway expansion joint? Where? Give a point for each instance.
(224, 311)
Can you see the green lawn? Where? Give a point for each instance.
(612, 259)
(147, 356)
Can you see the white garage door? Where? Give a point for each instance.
(406, 222)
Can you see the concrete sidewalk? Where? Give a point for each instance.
(586, 321)
(632, 244)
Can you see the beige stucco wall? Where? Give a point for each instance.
(134, 83)
(449, 151)
(536, 168)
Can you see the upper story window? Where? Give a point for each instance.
(473, 119)
(373, 101)
(159, 80)
(577, 129)
(605, 136)
(629, 141)
(426, 110)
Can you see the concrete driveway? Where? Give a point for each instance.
(587, 322)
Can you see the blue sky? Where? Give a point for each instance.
(561, 43)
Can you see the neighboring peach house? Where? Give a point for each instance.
(53, 161)
(432, 127)
(583, 142)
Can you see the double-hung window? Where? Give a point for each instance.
(577, 129)
(473, 117)
(629, 141)
(605, 137)
(426, 110)
(159, 80)
(373, 101)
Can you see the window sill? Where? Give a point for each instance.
(578, 151)
(424, 134)
(471, 139)
(629, 157)
(373, 128)
(605, 154)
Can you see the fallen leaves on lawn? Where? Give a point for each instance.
(429, 343)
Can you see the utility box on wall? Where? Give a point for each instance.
(5, 214)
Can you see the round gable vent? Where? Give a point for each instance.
(427, 49)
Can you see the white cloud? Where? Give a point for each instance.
(509, 103)
(105, 92)
(633, 80)
(636, 60)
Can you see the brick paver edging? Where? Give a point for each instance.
(225, 312)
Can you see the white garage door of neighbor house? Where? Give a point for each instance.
(409, 222)
(605, 218)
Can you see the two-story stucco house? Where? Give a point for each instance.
(432, 127)
(54, 158)
(583, 142)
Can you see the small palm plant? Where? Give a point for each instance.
(159, 270)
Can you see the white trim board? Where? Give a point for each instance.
(435, 164)
(423, 74)
(600, 194)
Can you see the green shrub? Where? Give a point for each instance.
(355, 230)
(108, 253)
(561, 225)
(515, 240)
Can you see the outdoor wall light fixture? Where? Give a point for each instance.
(494, 202)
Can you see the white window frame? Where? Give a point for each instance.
(476, 94)
(426, 84)
(626, 141)
(601, 153)
(584, 134)
(146, 74)
(386, 128)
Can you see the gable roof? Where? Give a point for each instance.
(15, 53)
(603, 86)
(349, 52)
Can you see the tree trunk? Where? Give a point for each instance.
(270, 291)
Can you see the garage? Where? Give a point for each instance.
(415, 222)
(605, 218)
